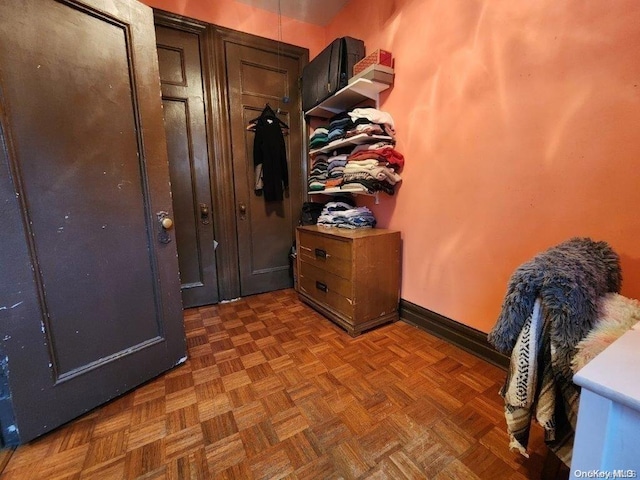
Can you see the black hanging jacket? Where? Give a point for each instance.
(269, 150)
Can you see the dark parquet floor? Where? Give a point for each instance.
(273, 390)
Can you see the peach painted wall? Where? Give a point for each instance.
(520, 125)
(248, 19)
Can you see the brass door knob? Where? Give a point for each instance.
(167, 223)
(243, 211)
(204, 213)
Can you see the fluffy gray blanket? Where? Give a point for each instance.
(569, 278)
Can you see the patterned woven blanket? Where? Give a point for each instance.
(532, 391)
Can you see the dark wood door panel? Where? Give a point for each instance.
(96, 309)
(223, 108)
(76, 197)
(176, 118)
(181, 77)
(266, 221)
(265, 232)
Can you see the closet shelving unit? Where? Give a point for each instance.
(350, 276)
(360, 91)
(353, 94)
(355, 140)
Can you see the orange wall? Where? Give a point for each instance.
(248, 19)
(520, 125)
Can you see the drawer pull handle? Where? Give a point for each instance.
(322, 253)
(321, 286)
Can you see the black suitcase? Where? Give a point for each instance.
(330, 70)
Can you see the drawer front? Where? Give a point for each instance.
(324, 287)
(326, 253)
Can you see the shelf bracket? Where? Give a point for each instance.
(376, 199)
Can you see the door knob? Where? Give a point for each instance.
(243, 210)
(204, 213)
(167, 223)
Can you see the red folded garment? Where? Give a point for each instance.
(388, 154)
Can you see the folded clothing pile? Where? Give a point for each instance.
(373, 167)
(319, 138)
(335, 168)
(318, 173)
(372, 122)
(368, 167)
(339, 125)
(343, 215)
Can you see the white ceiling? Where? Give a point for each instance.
(318, 12)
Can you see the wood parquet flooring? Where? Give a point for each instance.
(273, 390)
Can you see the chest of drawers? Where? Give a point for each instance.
(350, 276)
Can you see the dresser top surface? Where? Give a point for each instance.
(346, 232)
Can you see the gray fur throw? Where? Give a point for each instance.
(569, 278)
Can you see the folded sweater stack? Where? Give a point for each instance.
(372, 122)
(318, 173)
(339, 125)
(368, 167)
(319, 138)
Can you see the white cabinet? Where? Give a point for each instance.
(608, 430)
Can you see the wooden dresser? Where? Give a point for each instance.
(350, 276)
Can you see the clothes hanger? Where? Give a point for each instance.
(267, 112)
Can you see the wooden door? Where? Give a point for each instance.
(257, 76)
(183, 99)
(89, 292)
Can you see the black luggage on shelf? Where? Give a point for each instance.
(330, 70)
